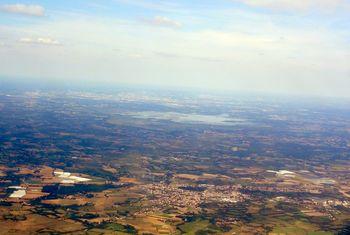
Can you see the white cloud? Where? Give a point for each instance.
(44, 41)
(183, 56)
(31, 10)
(296, 5)
(164, 22)
(162, 5)
(136, 56)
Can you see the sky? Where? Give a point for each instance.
(284, 46)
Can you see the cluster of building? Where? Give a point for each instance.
(161, 196)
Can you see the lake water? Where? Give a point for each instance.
(190, 118)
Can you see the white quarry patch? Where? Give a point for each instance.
(18, 193)
(79, 179)
(68, 178)
(283, 173)
(228, 200)
(16, 187)
(67, 181)
(64, 175)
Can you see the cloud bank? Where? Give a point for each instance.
(296, 5)
(43, 41)
(163, 21)
(30, 10)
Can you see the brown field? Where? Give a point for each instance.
(109, 169)
(107, 199)
(313, 213)
(34, 223)
(187, 176)
(129, 180)
(151, 224)
(66, 201)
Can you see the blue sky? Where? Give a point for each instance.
(289, 46)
